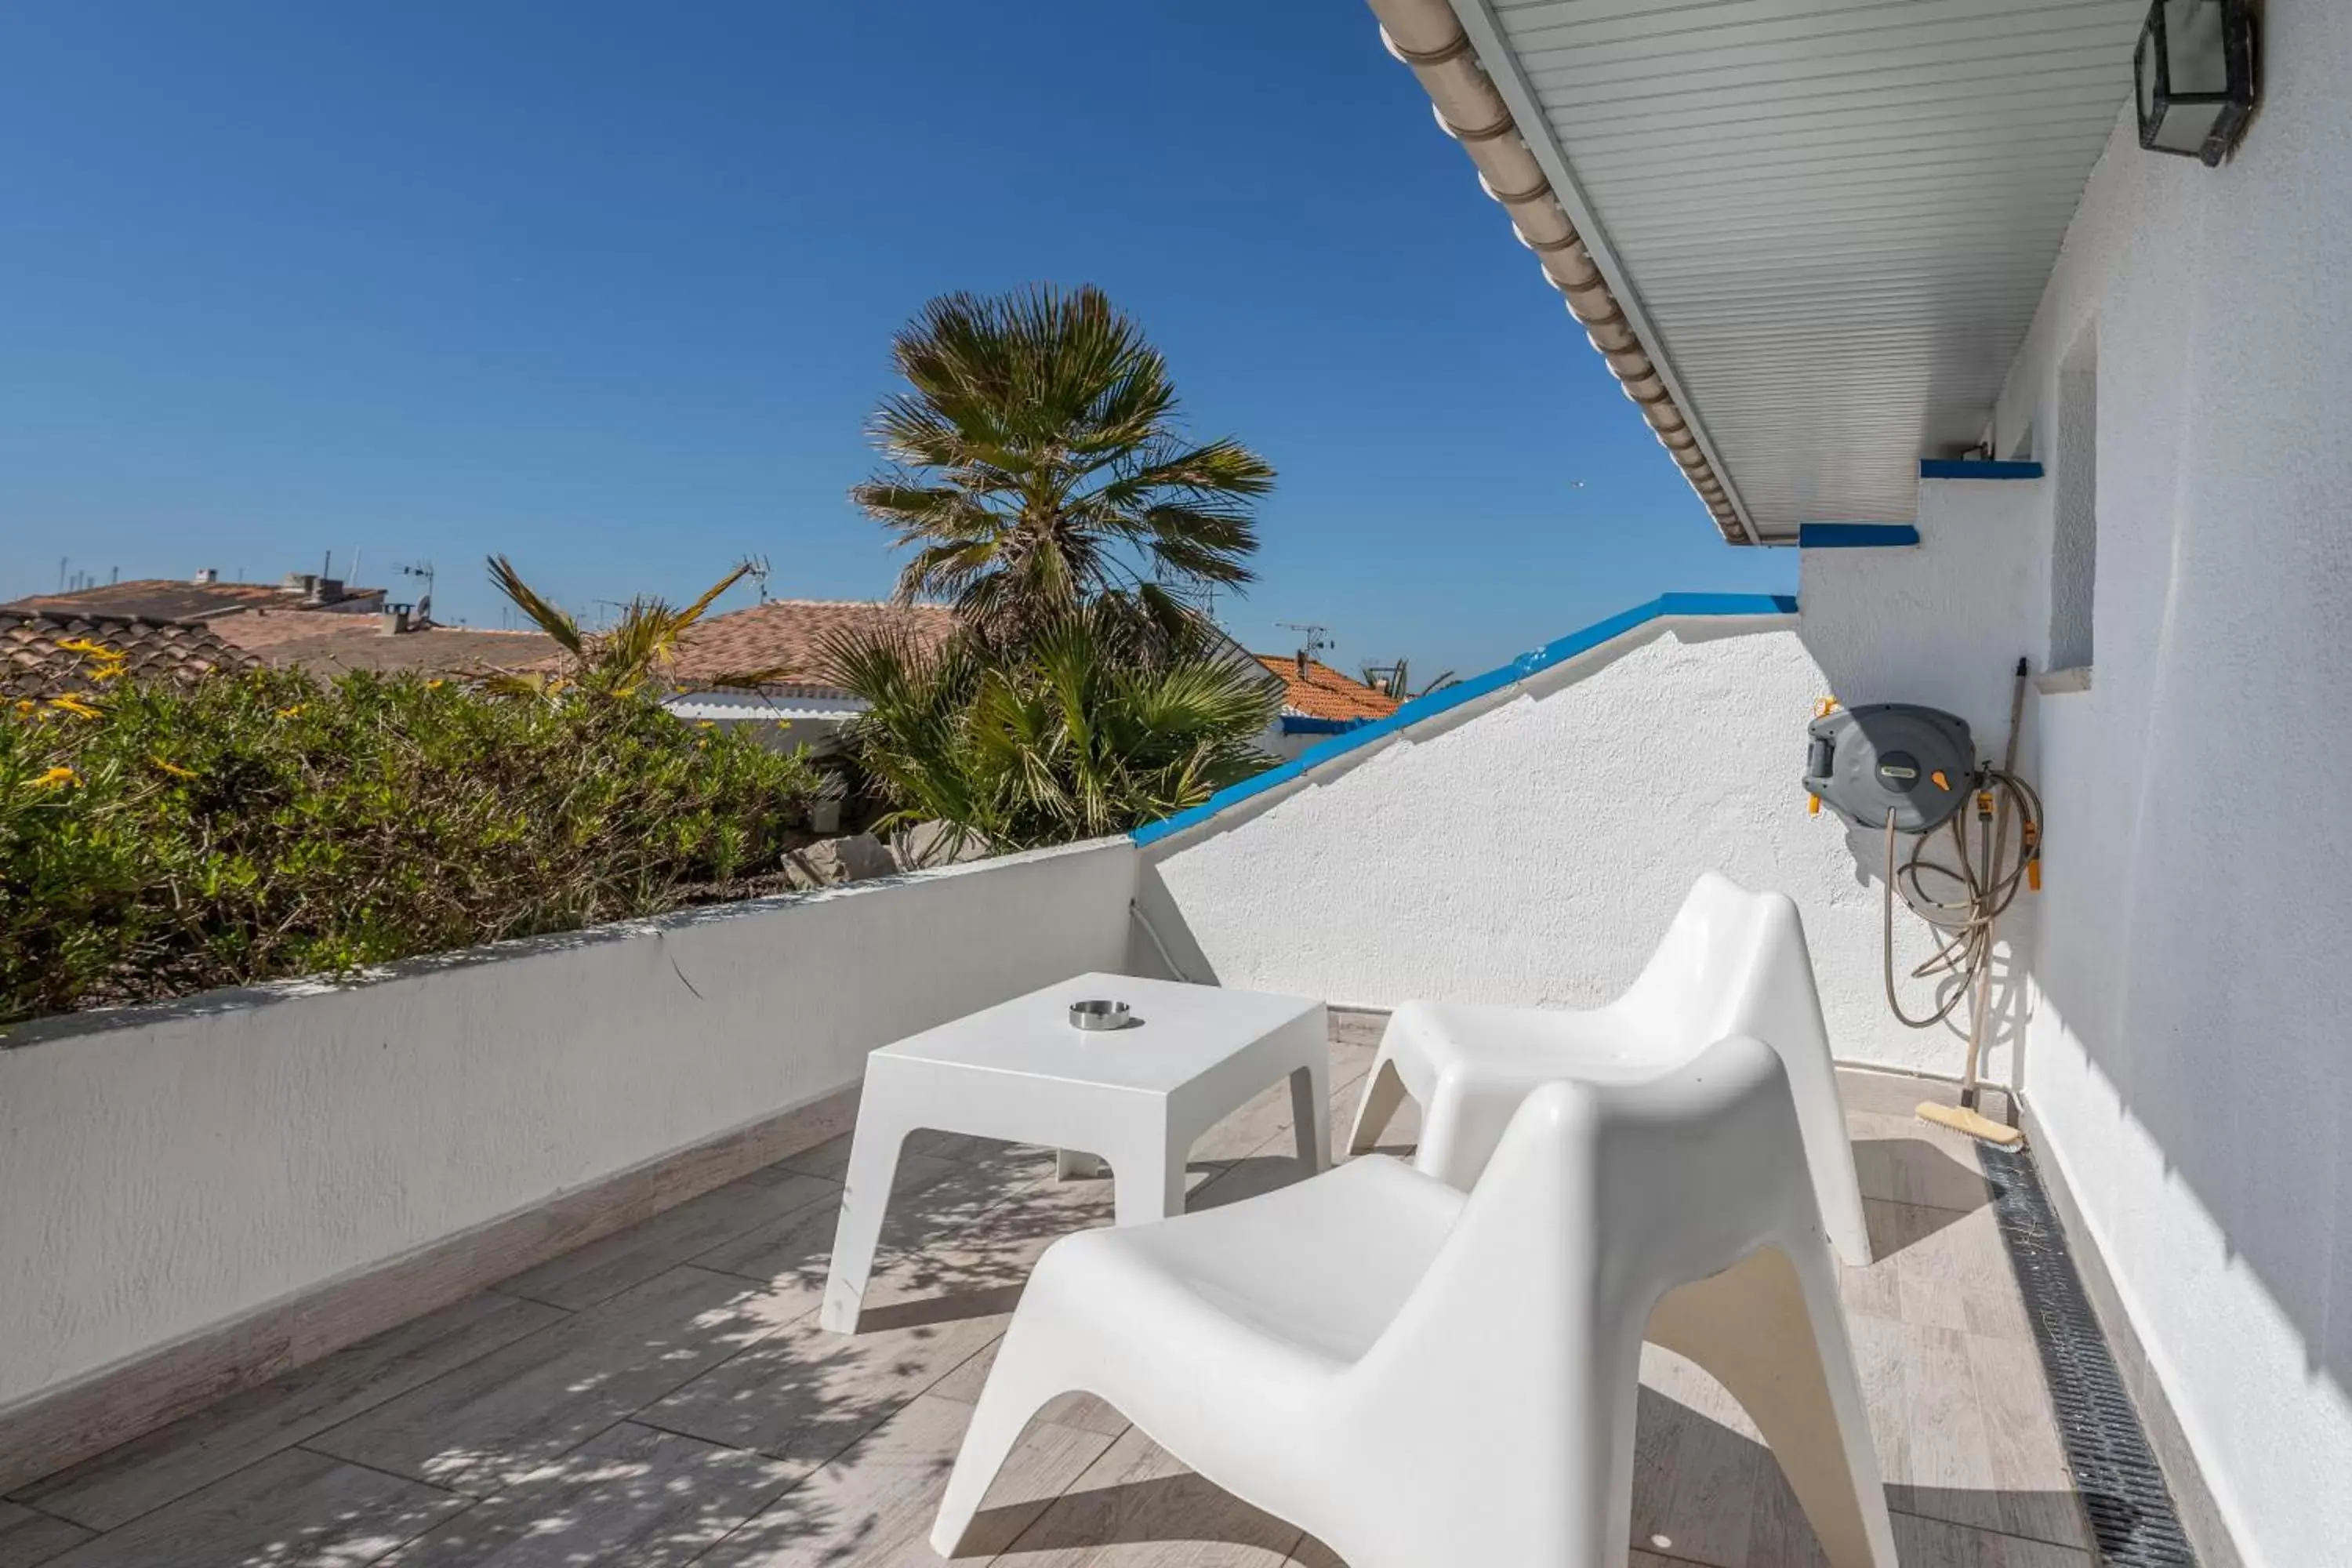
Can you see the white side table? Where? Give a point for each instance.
(1137, 1097)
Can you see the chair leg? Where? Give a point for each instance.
(1383, 1097)
(1018, 1386)
(1770, 1330)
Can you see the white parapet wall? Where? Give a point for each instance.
(167, 1170)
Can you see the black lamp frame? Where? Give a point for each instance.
(2236, 102)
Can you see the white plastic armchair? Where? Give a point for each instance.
(1733, 963)
(1420, 1376)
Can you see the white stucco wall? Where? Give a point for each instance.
(2189, 1057)
(166, 1169)
(1536, 853)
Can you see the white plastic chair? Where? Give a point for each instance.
(1734, 962)
(1421, 1377)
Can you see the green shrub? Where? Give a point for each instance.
(156, 841)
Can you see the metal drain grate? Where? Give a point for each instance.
(2123, 1491)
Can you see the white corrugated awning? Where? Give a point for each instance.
(1832, 219)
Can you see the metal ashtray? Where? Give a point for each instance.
(1100, 1014)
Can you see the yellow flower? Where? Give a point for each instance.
(96, 649)
(435, 684)
(175, 769)
(109, 672)
(73, 705)
(57, 778)
(293, 713)
(706, 724)
(26, 705)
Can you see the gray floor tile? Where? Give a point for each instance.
(807, 1394)
(293, 1510)
(28, 1537)
(628, 1496)
(873, 1506)
(491, 1423)
(174, 1460)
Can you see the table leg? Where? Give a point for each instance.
(1310, 1113)
(865, 1193)
(1147, 1183)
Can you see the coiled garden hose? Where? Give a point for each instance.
(1984, 890)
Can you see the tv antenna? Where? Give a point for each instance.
(424, 570)
(756, 568)
(1314, 638)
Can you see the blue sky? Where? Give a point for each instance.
(608, 287)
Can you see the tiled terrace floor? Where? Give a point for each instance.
(664, 1397)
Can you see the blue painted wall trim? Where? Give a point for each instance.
(1422, 708)
(1972, 468)
(1300, 724)
(1854, 535)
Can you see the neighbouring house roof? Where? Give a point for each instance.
(1809, 238)
(789, 633)
(289, 625)
(329, 644)
(177, 599)
(1319, 691)
(36, 663)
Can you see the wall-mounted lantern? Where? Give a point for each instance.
(2195, 68)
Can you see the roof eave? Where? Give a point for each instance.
(1482, 101)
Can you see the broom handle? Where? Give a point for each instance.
(1990, 837)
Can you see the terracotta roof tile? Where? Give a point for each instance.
(1322, 692)
(35, 663)
(788, 633)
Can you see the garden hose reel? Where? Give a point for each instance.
(1901, 769)
(1891, 760)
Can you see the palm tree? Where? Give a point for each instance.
(641, 646)
(1037, 464)
(1091, 727)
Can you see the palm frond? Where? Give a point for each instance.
(541, 614)
(682, 619)
(539, 684)
(1035, 461)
